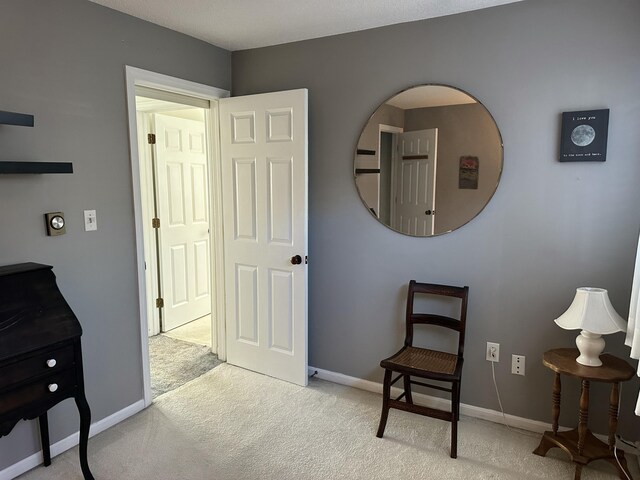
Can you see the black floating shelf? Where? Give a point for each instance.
(36, 167)
(12, 118)
(362, 151)
(360, 171)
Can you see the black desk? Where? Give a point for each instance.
(40, 354)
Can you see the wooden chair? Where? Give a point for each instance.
(428, 364)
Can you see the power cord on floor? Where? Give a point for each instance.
(615, 454)
(615, 444)
(504, 417)
(493, 374)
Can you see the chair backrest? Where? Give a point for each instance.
(457, 324)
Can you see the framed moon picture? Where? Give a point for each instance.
(584, 136)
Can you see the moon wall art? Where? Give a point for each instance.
(584, 136)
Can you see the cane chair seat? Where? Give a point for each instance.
(422, 359)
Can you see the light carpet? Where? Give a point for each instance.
(197, 331)
(175, 362)
(232, 424)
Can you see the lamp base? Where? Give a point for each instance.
(591, 346)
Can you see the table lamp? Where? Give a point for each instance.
(592, 312)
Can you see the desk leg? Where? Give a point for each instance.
(85, 423)
(555, 409)
(44, 438)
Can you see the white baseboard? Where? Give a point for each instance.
(71, 441)
(444, 404)
(435, 402)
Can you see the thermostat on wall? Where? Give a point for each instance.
(55, 223)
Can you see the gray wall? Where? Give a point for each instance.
(64, 61)
(550, 227)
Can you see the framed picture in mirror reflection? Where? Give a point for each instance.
(468, 174)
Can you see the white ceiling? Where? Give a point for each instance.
(242, 24)
(430, 96)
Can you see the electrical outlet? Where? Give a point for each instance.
(517, 364)
(493, 352)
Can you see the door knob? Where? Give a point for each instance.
(296, 260)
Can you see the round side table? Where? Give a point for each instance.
(581, 445)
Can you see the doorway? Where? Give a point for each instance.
(174, 162)
(163, 104)
(258, 167)
(172, 139)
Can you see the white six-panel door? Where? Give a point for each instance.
(264, 177)
(183, 207)
(415, 187)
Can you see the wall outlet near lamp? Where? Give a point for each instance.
(517, 364)
(493, 352)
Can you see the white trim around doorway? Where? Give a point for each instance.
(393, 130)
(138, 77)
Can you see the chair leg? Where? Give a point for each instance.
(459, 388)
(407, 388)
(386, 394)
(455, 415)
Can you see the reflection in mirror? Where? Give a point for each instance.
(428, 160)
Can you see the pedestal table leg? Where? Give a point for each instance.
(545, 442)
(583, 416)
(614, 398)
(555, 406)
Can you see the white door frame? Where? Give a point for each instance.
(394, 154)
(138, 77)
(148, 198)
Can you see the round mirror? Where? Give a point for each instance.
(428, 160)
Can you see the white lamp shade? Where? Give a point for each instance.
(591, 310)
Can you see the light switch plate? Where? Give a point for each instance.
(90, 221)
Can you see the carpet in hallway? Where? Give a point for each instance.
(174, 363)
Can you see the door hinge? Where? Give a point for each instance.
(155, 223)
(306, 259)
(160, 302)
(151, 138)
